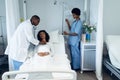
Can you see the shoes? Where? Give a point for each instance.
(76, 70)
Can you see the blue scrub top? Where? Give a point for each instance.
(76, 27)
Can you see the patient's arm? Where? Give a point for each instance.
(43, 53)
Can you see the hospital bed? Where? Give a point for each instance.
(112, 58)
(59, 69)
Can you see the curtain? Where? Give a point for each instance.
(99, 41)
(12, 17)
(12, 20)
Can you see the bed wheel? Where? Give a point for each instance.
(111, 74)
(81, 72)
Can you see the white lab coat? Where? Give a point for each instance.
(20, 41)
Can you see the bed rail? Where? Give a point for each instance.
(6, 75)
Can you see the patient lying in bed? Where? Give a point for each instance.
(43, 53)
(43, 60)
(43, 50)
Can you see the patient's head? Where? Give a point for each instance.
(43, 35)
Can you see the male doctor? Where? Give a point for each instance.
(20, 41)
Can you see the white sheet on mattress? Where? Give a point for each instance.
(59, 48)
(113, 45)
(54, 63)
(57, 63)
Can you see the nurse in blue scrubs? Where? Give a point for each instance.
(74, 38)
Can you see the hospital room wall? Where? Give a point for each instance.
(3, 39)
(21, 8)
(111, 17)
(94, 16)
(51, 14)
(94, 11)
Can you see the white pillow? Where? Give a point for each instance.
(54, 36)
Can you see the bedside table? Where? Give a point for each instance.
(88, 54)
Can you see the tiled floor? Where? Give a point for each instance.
(86, 76)
(91, 76)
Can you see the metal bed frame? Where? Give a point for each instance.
(6, 75)
(107, 63)
(111, 68)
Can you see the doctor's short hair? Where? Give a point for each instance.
(46, 34)
(35, 17)
(76, 11)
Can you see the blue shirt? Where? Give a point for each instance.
(76, 27)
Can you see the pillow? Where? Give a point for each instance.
(54, 36)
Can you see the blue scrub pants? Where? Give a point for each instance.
(17, 64)
(75, 56)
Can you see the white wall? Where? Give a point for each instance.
(111, 17)
(52, 15)
(21, 8)
(2, 7)
(94, 11)
(94, 16)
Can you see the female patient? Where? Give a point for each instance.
(43, 54)
(43, 50)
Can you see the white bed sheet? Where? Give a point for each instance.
(55, 63)
(113, 45)
(59, 60)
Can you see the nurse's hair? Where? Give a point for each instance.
(76, 11)
(46, 34)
